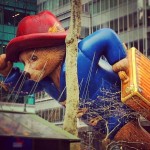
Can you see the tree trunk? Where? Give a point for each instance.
(70, 121)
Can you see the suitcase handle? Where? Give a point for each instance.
(123, 76)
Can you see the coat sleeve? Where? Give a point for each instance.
(103, 42)
(17, 83)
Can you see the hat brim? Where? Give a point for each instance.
(31, 41)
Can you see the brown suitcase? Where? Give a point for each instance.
(135, 88)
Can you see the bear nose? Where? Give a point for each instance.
(26, 75)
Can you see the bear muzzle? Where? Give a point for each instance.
(26, 75)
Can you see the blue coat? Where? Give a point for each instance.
(99, 86)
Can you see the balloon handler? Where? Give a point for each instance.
(40, 45)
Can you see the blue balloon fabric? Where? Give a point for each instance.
(100, 87)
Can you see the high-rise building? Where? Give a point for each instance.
(11, 12)
(130, 19)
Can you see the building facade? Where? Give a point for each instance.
(11, 12)
(130, 19)
(48, 108)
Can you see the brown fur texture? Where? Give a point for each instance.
(133, 135)
(43, 62)
(5, 66)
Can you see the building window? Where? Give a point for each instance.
(94, 28)
(148, 43)
(105, 25)
(52, 115)
(43, 94)
(87, 7)
(98, 6)
(130, 21)
(102, 5)
(135, 19)
(111, 24)
(9, 18)
(116, 25)
(94, 7)
(65, 2)
(1, 15)
(40, 7)
(12, 17)
(113, 3)
(55, 4)
(135, 44)
(125, 23)
(141, 15)
(121, 24)
(84, 32)
(91, 7)
(62, 2)
(45, 5)
(148, 17)
(2, 49)
(141, 45)
(106, 4)
(122, 2)
(98, 27)
(148, 2)
(131, 44)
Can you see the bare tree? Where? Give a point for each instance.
(70, 121)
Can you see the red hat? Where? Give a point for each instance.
(36, 31)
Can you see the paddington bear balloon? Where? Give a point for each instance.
(40, 45)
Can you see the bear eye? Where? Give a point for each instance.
(34, 58)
